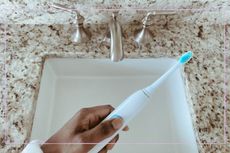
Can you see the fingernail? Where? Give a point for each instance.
(126, 128)
(109, 146)
(117, 123)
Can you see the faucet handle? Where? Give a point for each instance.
(79, 18)
(115, 14)
(81, 34)
(144, 36)
(146, 19)
(64, 8)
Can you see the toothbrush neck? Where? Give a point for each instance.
(151, 88)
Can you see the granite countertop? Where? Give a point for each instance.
(206, 76)
(96, 11)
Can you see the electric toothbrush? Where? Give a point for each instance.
(137, 101)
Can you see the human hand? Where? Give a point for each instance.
(81, 133)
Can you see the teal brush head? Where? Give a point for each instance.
(185, 57)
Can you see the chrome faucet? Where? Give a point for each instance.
(115, 33)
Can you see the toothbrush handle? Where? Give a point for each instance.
(127, 111)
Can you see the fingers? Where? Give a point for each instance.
(126, 128)
(105, 129)
(92, 130)
(99, 133)
(98, 113)
(88, 118)
(101, 111)
(112, 143)
(104, 150)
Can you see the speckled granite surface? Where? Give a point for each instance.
(28, 45)
(227, 50)
(39, 12)
(203, 32)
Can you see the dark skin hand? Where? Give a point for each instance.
(81, 133)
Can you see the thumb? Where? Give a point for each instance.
(104, 130)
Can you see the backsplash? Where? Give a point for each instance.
(96, 11)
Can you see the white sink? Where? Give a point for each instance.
(67, 85)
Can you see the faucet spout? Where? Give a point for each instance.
(116, 49)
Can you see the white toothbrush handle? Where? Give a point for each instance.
(127, 110)
(137, 101)
(151, 88)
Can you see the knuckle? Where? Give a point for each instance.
(83, 111)
(110, 107)
(81, 139)
(106, 128)
(82, 114)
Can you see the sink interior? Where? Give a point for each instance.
(67, 85)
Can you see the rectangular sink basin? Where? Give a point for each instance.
(67, 85)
